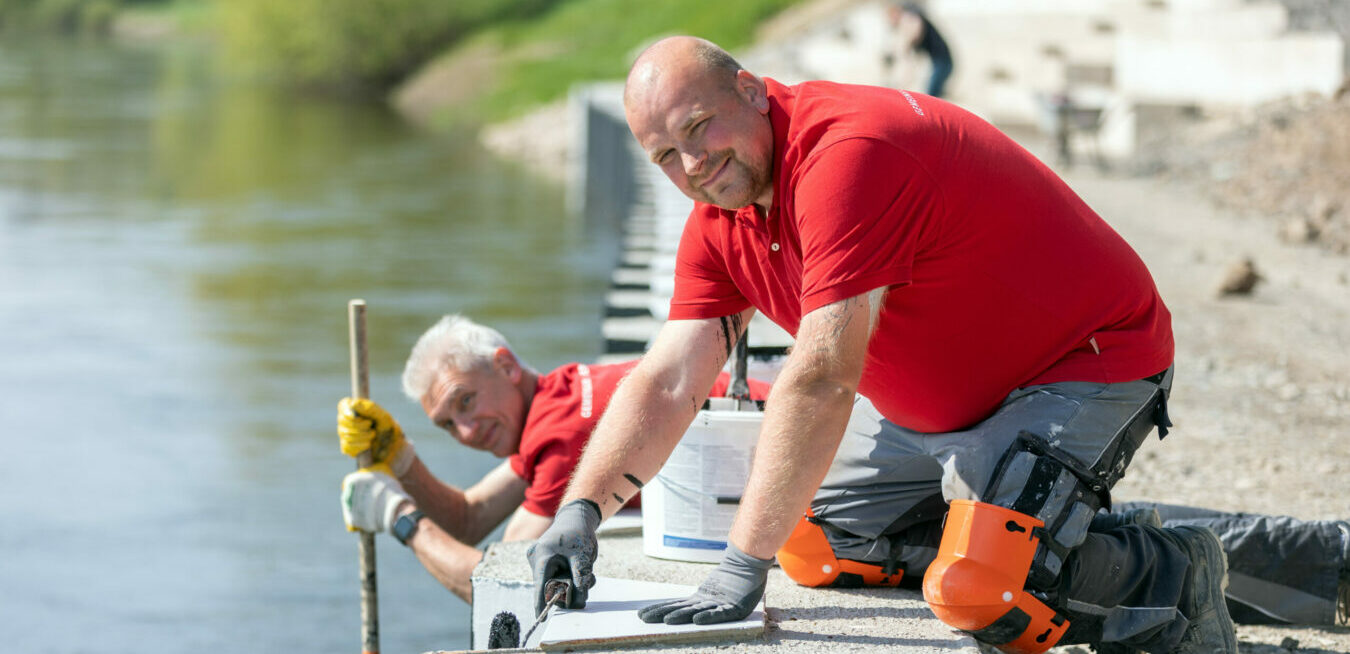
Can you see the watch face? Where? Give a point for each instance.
(406, 526)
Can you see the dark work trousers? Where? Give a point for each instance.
(1281, 570)
(1071, 439)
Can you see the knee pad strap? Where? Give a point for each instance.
(976, 584)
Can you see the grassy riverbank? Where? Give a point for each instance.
(529, 63)
(496, 58)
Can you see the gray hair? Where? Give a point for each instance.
(453, 342)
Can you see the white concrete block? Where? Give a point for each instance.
(628, 299)
(1255, 21)
(492, 596)
(764, 333)
(1020, 7)
(635, 258)
(638, 329)
(629, 276)
(610, 619)
(1229, 73)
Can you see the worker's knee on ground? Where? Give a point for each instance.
(808, 559)
(976, 583)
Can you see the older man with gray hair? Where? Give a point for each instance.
(470, 383)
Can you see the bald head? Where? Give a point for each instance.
(684, 57)
(704, 120)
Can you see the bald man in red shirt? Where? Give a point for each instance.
(972, 340)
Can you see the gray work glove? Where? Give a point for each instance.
(566, 550)
(730, 593)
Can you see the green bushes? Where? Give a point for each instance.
(352, 45)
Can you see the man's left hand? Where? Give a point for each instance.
(371, 499)
(730, 593)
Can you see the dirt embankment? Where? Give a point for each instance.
(1287, 161)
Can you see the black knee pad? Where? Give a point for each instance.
(1040, 481)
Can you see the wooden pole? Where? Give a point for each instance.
(370, 613)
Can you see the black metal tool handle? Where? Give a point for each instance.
(739, 389)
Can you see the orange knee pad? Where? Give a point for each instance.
(976, 582)
(808, 559)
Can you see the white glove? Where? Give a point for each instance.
(371, 500)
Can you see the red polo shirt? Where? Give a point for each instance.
(999, 275)
(567, 404)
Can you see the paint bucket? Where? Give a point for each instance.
(687, 509)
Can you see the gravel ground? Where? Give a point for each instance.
(1287, 162)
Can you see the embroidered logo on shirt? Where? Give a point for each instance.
(587, 390)
(912, 102)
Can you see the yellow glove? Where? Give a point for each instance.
(364, 425)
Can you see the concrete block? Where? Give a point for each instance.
(627, 299)
(634, 258)
(1255, 21)
(610, 619)
(640, 329)
(492, 596)
(764, 333)
(1228, 73)
(801, 619)
(629, 277)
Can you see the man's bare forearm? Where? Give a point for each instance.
(804, 421)
(807, 421)
(652, 408)
(450, 561)
(468, 516)
(633, 439)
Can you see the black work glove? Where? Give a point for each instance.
(729, 593)
(566, 550)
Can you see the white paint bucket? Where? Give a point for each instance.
(688, 508)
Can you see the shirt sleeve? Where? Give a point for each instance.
(553, 465)
(863, 206)
(703, 286)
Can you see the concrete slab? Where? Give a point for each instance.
(639, 329)
(610, 619)
(1236, 73)
(798, 619)
(630, 277)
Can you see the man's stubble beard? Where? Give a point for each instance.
(755, 182)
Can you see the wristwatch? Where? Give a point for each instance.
(406, 525)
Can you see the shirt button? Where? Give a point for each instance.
(774, 247)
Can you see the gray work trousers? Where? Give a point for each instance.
(875, 502)
(1281, 570)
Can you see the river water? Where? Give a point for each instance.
(176, 255)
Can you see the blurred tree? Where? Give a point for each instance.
(65, 16)
(353, 46)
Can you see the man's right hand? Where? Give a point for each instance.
(567, 550)
(364, 425)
